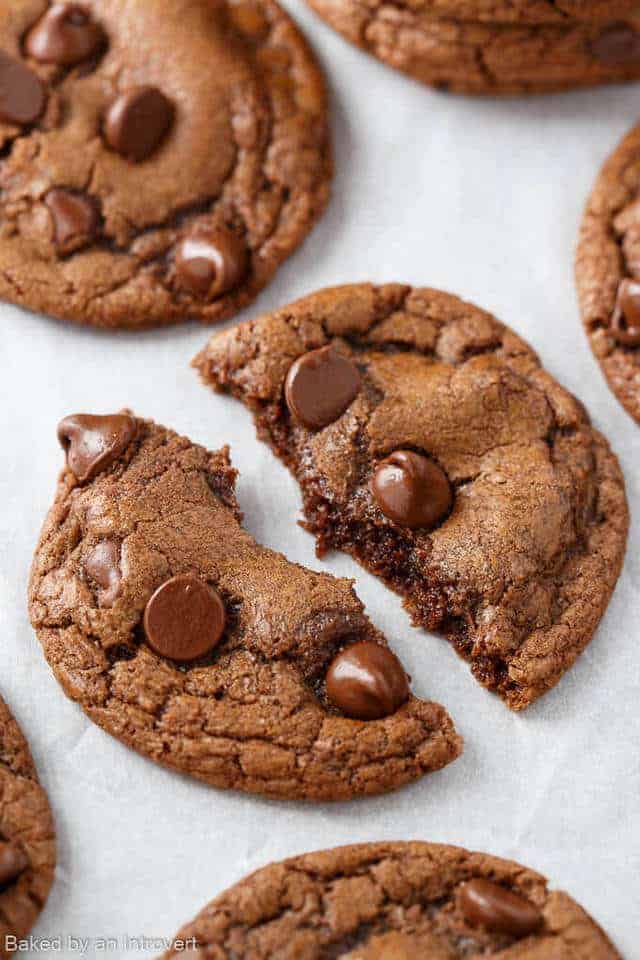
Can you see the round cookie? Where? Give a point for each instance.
(488, 58)
(27, 838)
(394, 901)
(520, 11)
(608, 271)
(160, 160)
(179, 634)
(461, 473)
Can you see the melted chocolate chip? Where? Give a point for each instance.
(211, 265)
(93, 443)
(489, 905)
(137, 122)
(65, 35)
(76, 218)
(367, 681)
(617, 45)
(13, 862)
(411, 490)
(320, 385)
(184, 619)
(22, 96)
(625, 323)
(102, 564)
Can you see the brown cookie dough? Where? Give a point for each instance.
(608, 271)
(27, 838)
(462, 474)
(394, 901)
(160, 159)
(180, 635)
(488, 58)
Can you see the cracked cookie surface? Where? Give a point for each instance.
(391, 901)
(27, 838)
(153, 509)
(519, 571)
(608, 271)
(520, 11)
(169, 173)
(488, 58)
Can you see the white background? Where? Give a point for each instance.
(482, 198)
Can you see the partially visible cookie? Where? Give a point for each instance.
(608, 271)
(430, 444)
(180, 635)
(160, 159)
(518, 11)
(27, 838)
(464, 56)
(394, 901)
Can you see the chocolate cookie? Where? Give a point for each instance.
(429, 444)
(395, 901)
(160, 159)
(27, 839)
(180, 635)
(608, 272)
(488, 58)
(523, 11)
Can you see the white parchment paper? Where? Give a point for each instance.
(482, 198)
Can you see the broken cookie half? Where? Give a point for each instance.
(430, 444)
(27, 837)
(180, 635)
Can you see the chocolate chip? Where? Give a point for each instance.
(22, 95)
(411, 490)
(625, 323)
(93, 443)
(102, 564)
(65, 35)
(137, 122)
(184, 619)
(489, 905)
(320, 385)
(76, 218)
(617, 45)
(367, 681)
(210, 265)
(13, 862)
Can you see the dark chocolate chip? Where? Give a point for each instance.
(411, 490)
(617, 45)
(487, 904)
(93, 443)
(625, 323)
(22, 96)
(137, 122)
(102, 564)
(65, 35)
(184, 619)
(320, 385)
(212, 264)
(13, 862)
(76, 218)
(367, 681)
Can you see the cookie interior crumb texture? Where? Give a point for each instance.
(518, 573)
(395, 901)
(144, 547)
(27, 838)
(159, 160)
